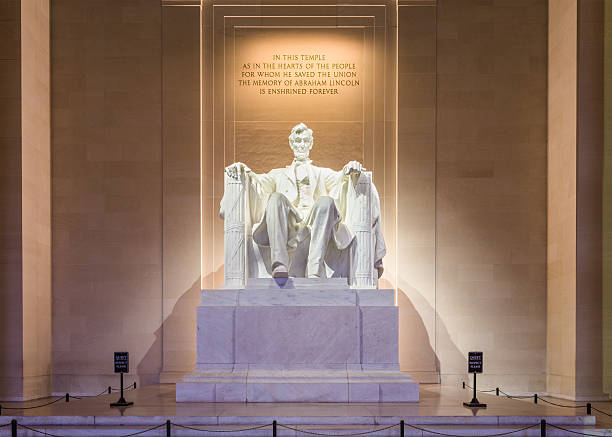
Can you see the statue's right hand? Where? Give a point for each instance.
(236, 170)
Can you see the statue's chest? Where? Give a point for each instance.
(305, 187)
(302, 175)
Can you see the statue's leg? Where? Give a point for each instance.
(277, 217)
(322, 221)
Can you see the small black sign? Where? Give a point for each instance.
(122, 362)
(474, 362)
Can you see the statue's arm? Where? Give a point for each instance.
(353, 167)
(256, 186)
(235, 176)
(262, 182)
(240, 171)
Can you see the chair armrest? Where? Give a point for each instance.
(233, 210)
(359, 205)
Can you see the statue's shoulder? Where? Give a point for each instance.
(276, 171)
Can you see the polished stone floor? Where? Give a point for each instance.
(440, 412)
(436, 402)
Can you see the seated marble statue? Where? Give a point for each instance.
(301, 211)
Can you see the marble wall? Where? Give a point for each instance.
(11, 370)
(36, 197)
(575, 154)
(25, 225)
(458, 132)
(471, 195)
(561, 321)
(472, 190)
(589, 174)
(607, 205)
(107, 191)
(181, 192)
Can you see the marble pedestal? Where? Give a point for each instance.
(307, 341)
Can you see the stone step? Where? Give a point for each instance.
(254, 297)
(306, 385)
(343, 422)
(297, 283)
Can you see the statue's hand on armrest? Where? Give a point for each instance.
(353, 167)
(237, 170)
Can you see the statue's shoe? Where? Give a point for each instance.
(280, 271)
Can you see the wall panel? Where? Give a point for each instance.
(181, 187)
(107, 191)
(491, 190)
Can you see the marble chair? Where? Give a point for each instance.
(245, 260)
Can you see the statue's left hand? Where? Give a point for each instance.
(353, 167)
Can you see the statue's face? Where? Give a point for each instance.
(301, 143)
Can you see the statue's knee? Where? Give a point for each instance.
(275, 199)
(325, 203)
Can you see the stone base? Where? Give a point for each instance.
(302, 341)
(268, 385)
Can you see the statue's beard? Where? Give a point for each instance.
(301, 154)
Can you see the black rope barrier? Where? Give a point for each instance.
(132, 386)
(143, 431)
(515, 396)
(338, 435)
(57, 435)
(602, 412)
(479, 391)
(572, 431)
(38, 431)
(103, 392)
(168, 424)
(220, 430)
(463, 435)
(33, 406)
(537, 397)
(560, 405)
(67, 397)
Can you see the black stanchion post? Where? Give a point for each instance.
(589, 408)
(274, 428)
(543, 428)
(134, 385)
(121, 402)
(474, 403)
(496, 391)
(474, 367)
(67, 397)
(535, 398)
(109, 389)
(14, 428)
(122, 365)
(168, 428)
(401, 428)
(464, 384)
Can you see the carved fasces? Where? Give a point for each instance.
(234, 208)
(359, 203)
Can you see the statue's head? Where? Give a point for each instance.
(300, 141)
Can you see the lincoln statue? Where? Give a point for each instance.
(298, 215)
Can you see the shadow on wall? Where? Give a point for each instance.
(417, 356)
(180, 330)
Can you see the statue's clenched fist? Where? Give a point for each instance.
(353, 167)
(236, 170)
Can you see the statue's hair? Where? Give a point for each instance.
(298, 129)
